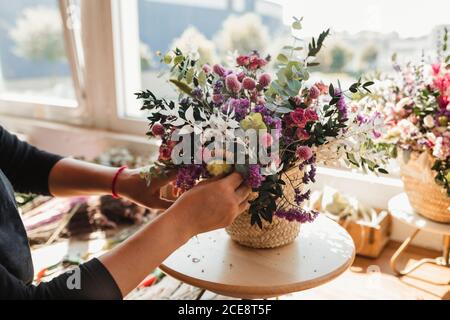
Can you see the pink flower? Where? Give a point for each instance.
(436, 67)
(304, 153)
(232, 83)
(264, 80)
(314, 92)
(323, 88)
(302, 134)
(248, 83)
(157, 129)
(311, 115)
(219, 70)
(266, 140)
(297, 100)
(243, 61)
(206, 68)
(241, 76)
(275, 159)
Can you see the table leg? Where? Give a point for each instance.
(446, 253)
(399, 251)
(200, 295)
(441, 261)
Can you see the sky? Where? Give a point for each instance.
(412, 18)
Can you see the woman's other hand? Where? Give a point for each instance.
(132, 186)
(211, 205)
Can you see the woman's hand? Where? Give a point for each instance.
(132, 186)
(210, 205)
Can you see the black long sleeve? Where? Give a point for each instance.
(90, 281)
(26, 169)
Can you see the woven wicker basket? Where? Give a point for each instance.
(426, 197)
(278, 233)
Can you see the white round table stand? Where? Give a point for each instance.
(401, 209)
(214, 262)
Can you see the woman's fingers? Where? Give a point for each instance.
(234, 180)
(244, 206)
(243, 192)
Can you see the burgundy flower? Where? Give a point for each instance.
(311, 115)
(264, 80)
(157, 129)
(302, 134)
(165, 152)
(248, 83)
(243, 61)
(298, 117)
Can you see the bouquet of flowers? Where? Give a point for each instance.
(242, 118)
(416, 107)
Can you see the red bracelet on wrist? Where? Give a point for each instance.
(114, 182)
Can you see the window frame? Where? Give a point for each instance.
(52, 109)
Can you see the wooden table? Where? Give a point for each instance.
(401, 209)
(212, 261)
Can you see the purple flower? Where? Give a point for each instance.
(254, 177)
(361, 118)
(218, 86)
(301, 197)
(185, 102)
(297, 214)
(188, 175)
(309, 176)
(240, 107)
(197, 93)
(341, 105)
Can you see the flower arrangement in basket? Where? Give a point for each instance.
(273, 129)
(415, 102)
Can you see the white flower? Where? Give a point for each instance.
(402, 103)
(428, 121)
(437, 150)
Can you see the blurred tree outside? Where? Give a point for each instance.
(146, 56)
(193, 41)
(242, 34)
(38, 35)
(369, 57)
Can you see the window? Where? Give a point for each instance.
(33, 62)
(81, 61)
(215, 29)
